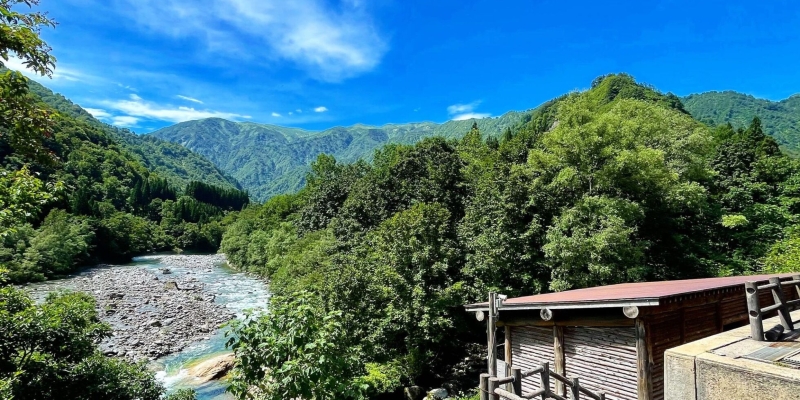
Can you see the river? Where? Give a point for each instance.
(234, 290)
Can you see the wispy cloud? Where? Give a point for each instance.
(98, 113)
(274, 114)
(331, 42)
(187, 98)
(124, 121)
(60, 73)
(461, 112)
(321, 109)
(138, 108)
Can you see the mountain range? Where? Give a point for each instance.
(268, 159)
(175, 163)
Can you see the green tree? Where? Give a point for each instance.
(22, 122)
(49, 351)
(295, 350)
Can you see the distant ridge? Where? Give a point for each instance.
(781, 119)
(269, 159)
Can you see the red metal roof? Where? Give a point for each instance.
(638, 294)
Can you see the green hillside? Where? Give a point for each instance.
(781, 119)
(615, 184)
(177, 164)
(268, 160)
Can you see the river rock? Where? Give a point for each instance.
(211, 369)
(149, 318)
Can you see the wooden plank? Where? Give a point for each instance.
(558, 351)
(491, 330)
(530, 347)
(604, 358)
(644, 363)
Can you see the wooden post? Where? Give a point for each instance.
(516, 372)
(492, 386)
(754, 311)
(546, 380)
(508, 355)
(484, 387)
(783, 310)
(576, 389)
(644, 368)
(492, 329)
(560, 358)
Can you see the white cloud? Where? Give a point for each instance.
(98, 113)
(59, 73)
(291, 113)
(331, 42)
(124, 121)
(465, 116)
(299, 111)
(460, 112)
(321, 109)
(462, 108)
(274, 114)
(187, 98)
(139, 108)
(132, 89)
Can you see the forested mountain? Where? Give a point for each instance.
(781, 119)
(177, 164)
(268, 160)
(75, 193)
(615, 184)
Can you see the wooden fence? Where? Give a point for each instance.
(782, 306)
(490, 387)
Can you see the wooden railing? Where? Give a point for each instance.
(490, 387)
(782, 306)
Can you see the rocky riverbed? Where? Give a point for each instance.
(154, 312)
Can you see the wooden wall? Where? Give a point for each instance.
(604, 359)
(600, 344)
(530, 347)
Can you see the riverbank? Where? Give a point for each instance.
(154, 313)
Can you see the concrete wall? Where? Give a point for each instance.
(711, 369)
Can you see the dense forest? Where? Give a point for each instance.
(372, 259)
(269, 160)
(780, 119)
(615, 184)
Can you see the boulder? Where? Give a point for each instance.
(213, 368)
(437, 394)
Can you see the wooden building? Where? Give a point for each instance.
(613, 338)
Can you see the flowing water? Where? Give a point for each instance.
(235, 290)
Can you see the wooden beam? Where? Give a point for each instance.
(507, 355)
(559, 357)
(491, 330)
(644, 363)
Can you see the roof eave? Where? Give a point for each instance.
(650, 302)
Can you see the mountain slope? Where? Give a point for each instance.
(177, 164)
(268, 160)
(781, 119)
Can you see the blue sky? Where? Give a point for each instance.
(314, 64)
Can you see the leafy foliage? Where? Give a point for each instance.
(49, 351)
(615, 184)
(296, 350)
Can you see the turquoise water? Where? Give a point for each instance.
(235, 290)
